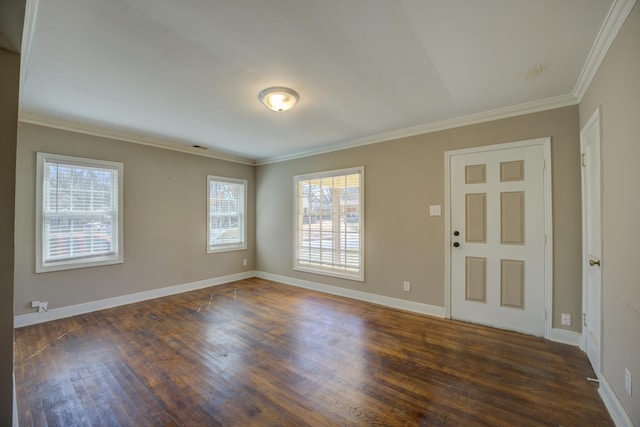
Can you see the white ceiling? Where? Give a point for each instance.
(190, 72)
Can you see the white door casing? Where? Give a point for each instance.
(591, 240)
(499, 264)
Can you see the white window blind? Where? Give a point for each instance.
(329, 229)
(79, 221)
(226, 214)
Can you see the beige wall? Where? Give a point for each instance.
(616, 90)
(402, 178)
(9, 78)
(164, 237)
(165, 196)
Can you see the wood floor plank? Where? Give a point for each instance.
(255, 352)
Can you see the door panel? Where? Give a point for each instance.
(476, 279)
(476, 217)
(498, 254)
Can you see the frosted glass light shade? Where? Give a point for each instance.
(279, 98)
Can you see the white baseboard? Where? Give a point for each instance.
(558, 335)
(416, 307)
(565, 337)
(613, 405)
(73, 310)
(615, 408)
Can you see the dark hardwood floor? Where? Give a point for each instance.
(255, 352)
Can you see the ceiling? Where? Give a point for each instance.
(189, 73)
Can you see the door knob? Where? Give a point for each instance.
(456, 233)
(593, 262)
(456, 244)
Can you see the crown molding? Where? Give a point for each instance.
(618, 13)
(103, 132)
(486, 116)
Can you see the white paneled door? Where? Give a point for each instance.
(591, 239)
(497, 240)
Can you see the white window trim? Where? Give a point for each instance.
(117, 257)
(326, 271)
(230, 247)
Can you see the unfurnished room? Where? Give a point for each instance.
(349, 213)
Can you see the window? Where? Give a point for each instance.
(329, 225)
(227, 222)
(79, 213)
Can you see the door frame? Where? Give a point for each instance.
(545, 143)
(595, 118)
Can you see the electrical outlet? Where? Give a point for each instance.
(35, 304)
(407, 286)
(244, 261)
(434, 210)
(627, 381)
(565, 319)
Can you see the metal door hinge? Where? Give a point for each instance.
(583, 159)
(584, 319)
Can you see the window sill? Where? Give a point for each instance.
(358, 277)
(226, 249)
(71, 265)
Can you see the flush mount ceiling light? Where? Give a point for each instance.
(279, 98)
